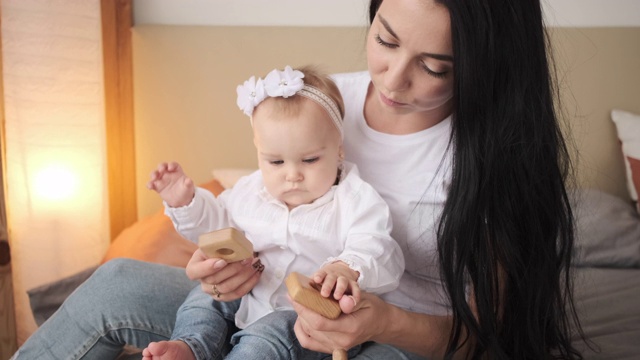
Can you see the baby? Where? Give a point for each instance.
(304, 210)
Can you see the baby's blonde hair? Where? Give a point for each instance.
(314, 77)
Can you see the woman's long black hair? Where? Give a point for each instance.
(507, 227)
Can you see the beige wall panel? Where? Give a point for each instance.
(599, 70)
(185, 100)
(185, 80)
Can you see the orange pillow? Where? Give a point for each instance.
(628, 129)
(154, 239)
(634, 167)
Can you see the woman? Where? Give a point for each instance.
(456, 129)
(505, 236)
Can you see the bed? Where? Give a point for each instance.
(607, 275)
(199, 91)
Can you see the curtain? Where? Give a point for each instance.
(55, 143)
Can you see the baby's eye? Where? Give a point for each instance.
(311, 160)
(276, 162)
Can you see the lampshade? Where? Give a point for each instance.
(55, 143)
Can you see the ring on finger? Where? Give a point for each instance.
(215, 291)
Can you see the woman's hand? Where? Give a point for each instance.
(232, 280)
(372, 319)
(356, 325)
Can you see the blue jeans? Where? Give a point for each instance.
(129, 302)
(207, 326)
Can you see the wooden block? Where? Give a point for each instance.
(229, 244)
(307, 293)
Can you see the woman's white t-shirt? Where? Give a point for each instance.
(412, 174)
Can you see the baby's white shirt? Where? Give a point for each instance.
(350, 223)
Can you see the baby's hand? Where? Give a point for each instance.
(338, 278)
(173, 185)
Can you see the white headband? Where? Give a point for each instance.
(284, 84)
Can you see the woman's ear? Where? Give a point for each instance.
(341, 153)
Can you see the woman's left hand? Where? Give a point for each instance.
(225, 281)
(355, 326)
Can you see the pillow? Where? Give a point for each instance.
(228, 176)
(154, 239)
(628, 127)
(607, 230)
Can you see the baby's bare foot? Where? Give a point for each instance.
(167, 350)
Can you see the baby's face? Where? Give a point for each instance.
(298, 155)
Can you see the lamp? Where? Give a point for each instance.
(55, 183)
(55, 143)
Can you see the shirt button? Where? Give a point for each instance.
(283, 247)
(279, 274)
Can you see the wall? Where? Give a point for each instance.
(187, 74)
(597, 72)
(185, 79)
(592, 13)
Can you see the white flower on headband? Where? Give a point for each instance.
(276, 84)
(283, 83)
(250, 94)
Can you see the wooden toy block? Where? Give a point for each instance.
(306, 292)
(229, 244)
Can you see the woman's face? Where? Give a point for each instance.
(410, 56)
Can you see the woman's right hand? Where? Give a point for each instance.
(373, 319)
(231, 280)
(359, 322)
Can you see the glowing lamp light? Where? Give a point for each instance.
(55, 183)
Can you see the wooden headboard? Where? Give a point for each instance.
(185, 79)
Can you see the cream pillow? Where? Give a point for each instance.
(227, 177)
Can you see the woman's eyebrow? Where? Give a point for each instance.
(442, 57)
(388, 27)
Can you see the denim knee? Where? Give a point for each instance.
(271, 336)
